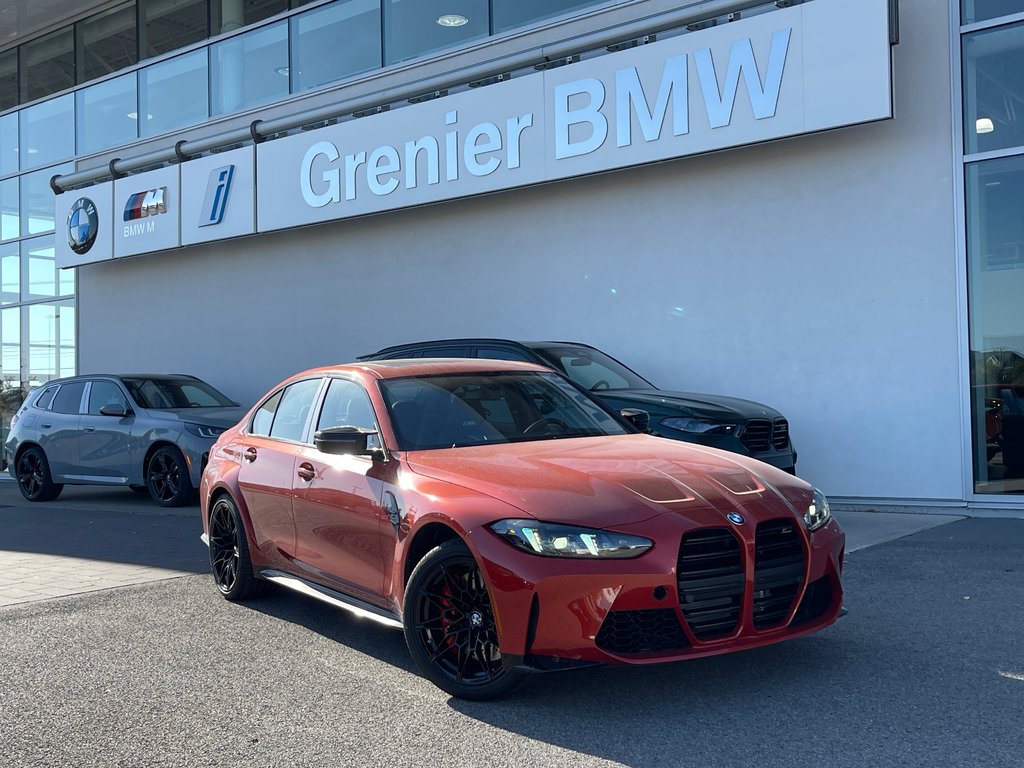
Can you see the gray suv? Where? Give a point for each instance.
(150, 433)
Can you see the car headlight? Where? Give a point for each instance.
(817, 513)
(201, 430)
(555, 540)
(699, 426)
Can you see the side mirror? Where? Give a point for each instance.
(348, 440)
(113, 409)
(638, 418)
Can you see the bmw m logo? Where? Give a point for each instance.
(152, 202)
(735, 517)
(83, 225)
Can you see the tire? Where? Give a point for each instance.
(450, 627)
(229, 553)
(167, 478)
(34, 479)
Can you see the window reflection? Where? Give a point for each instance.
(37, 199)
(517, 13)
(993, 84)
(980, 10)
(10, 219)
(246, 70)
(42, 343)
(41, 278)
(8, 144)
(173, 94)
(107, 114)
(415, 27)
(47, 64)
(11, 391)
(167, 25)
(107, 42)
(228, 16)
(317, 58)
(10, 273)
(996, 282)
(9, 79)
(47, 132)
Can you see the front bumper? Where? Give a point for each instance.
(555, 614)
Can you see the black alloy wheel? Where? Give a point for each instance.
(229, 553)
(450, 627)
(33, 473)
(167, 478)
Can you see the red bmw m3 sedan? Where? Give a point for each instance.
(508, 522)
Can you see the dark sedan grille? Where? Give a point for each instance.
(711, 582)
(761, 434)
(637, 632)
(778, 571)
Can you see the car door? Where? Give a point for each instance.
(105, 443)
(341, 527)
(58, 430)
(267, 456)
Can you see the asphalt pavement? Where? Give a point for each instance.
(926, 670)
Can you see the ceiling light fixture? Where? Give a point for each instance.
(283, 71)
(984, 125)
(452, 20)
(135, 116)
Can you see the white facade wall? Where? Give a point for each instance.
(817, 274)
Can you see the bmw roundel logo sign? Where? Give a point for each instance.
(735, 517)
(83, 225)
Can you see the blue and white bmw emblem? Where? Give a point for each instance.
(83, 224)
(736, 517)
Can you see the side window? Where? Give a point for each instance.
(69, 397)
(296, 402)
(105, 393)
(441, 352)
(496, 353)
(264, 416)
(346, 405)
(44, 400)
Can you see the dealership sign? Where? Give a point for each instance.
(797, 70)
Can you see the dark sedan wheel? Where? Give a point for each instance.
(168, 479)
(450, 627)
(33, 473)
(229, 553)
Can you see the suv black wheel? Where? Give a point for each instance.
(33, 473)
(229, 553)
(167, 478)
(450, 628)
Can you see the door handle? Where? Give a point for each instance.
(306, 471)
(46, 426)
(88, 429)
(249, 455)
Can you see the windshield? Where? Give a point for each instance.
(477, 409)
(593, 369)
(164, 393)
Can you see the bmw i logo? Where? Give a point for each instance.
(735, 517)
(83, 225)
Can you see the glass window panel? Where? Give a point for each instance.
(995, 247)
(246, 70)
(994, 89)
(980, 10)
(9, 144)
(11, 392)
(48, 64)
(168, 25)
(37, 199)
(39, 270)
(229, 15)
(317, 58)
(290, 419)
(107, 114)
(173, 94)
(48, 132)
(10, 273)
(9, 79)
(10, 221)
(509, 14)
(41, 322)
(415, 27)
(107, 42)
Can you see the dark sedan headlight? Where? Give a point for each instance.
(698, 426)
(817, 513)
(556, 540)
(202, 430)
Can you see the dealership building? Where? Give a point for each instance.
(815, 205)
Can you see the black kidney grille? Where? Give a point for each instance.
(780, 434)
(711, 582)
(817, 600)
(778, 571)
(636, 632)
(757, 435)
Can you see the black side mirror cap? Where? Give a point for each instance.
(638, 418)
(113, 409)
(347, 440)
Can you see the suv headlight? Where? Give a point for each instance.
(817, 513)
(698, 426)
(555, 540)
(201, 430)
